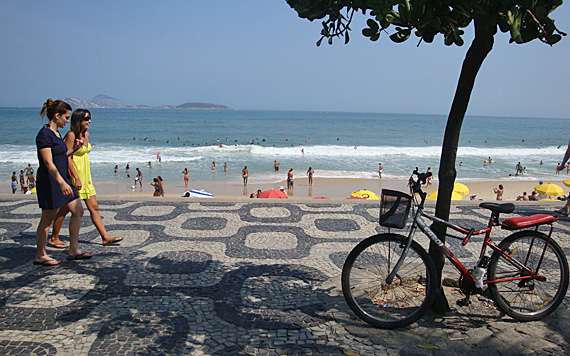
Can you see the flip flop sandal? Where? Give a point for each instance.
(62, 246)
(113, 241)
(47, 263)
(83, 256)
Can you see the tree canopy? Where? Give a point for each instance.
(525, 20)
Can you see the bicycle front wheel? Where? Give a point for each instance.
(528, 299)
(388, 305)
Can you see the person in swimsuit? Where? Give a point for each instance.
(290, 180)
(81, 172)
(186, 178)
(380, 169)
(54, 187)
(310, 172)
(156, 186)
(14, 183)
(161, 181)
(22, 180)
(244, 174)
(499, 191)
(565, 210)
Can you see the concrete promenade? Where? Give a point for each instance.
(234, 278)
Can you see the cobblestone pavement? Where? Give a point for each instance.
(233, 278)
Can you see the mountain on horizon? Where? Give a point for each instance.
(108, 102)
(77, 103)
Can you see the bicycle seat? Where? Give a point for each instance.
(499, 208)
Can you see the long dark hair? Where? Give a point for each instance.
(51, 108)
(76, 118)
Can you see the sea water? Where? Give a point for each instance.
(334, 144)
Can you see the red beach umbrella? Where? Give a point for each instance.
(273, 194)
(321, 198)
(360, 198)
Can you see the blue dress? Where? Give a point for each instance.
(48, 189)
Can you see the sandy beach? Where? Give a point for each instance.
(322, 187)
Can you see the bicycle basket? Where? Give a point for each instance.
(394, 208)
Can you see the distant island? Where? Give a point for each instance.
(106, 102)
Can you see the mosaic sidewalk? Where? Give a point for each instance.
(235, 278)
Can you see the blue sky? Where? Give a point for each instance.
(257, 54)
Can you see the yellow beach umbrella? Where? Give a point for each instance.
(454, 196)
(567, 182)
(460, 188)
(33, 190)
(366, 194)
(548, 199)
(549, 189)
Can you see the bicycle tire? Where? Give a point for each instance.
(381, 305)
(529, 300)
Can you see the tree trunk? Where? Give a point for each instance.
(481, 46)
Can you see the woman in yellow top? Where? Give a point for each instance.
(81, 173)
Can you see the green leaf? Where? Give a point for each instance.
(401, 36)
(553, 39)
(319, 41)
(515, 19)
(368, 32)
(372, 24)
(375, 37)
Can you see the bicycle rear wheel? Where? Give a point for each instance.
(529, 299)
(378, 303)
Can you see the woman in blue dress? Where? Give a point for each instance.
(54, 187)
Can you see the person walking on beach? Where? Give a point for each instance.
(499, 191)
(380, 169)
(186, 177)
(54, 188)
(81, 172)
(14, 183)
(310, 172)
(244, 175)
(290, 181)
(565, 210)
(138, 178)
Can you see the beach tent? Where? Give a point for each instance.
(549, 189)
(454, 196)
(460, 188)
(366, 194)
(273, 194)
(198, 193)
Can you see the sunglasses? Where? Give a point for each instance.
(87, 118)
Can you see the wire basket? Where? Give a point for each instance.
(394, 208)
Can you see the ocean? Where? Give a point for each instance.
(334, 144)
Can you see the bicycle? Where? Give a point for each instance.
(389, 280)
